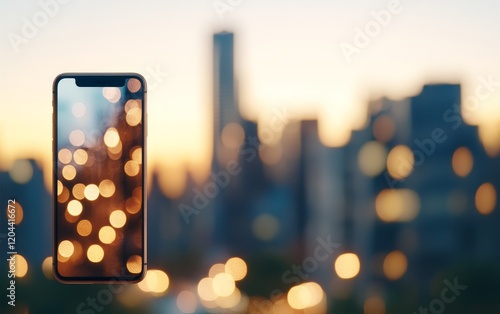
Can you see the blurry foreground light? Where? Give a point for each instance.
(21, 171)
(186, 302)
(347, 265)
(397, 205)
(395, 265)
(236, 267)
(486, 198)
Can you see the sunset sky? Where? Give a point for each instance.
(288, 56)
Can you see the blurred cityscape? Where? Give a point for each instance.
(403, 219)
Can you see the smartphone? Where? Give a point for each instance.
(99, 163)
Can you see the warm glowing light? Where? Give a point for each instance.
(134, 264)
(374, 305)
(84, 228)
(17, 210)
(117, 218)
(134, 85)
(75, 208)
(132, 103)
(21, 266)
(216, 269)
(91, 192)
(65, 156)
(347, 265)
(79, 191)
(21, 171)
(395, 265)
(236, 267)
(371, 158)
(205, 290)
(47, 268)
(111, 137)
(59, 187)
(69, 172)
(116, 150)
(186, 302)
(78, 109)
(70, 218)
(80, 156)
(384, 128)
(265, 227)
(66, 248)
(112, 94)
(462, 162)
(134, 116)
(107, 188)
(223, 284)
(132, 168)
(63, 197)
(77, 138)
(232, 135)
(137, 155)
(397, 205)
(230, 301)
(107, 235)
(133, 205)
(156, 281)
(95, 253)
(305, 295)
(486, 198)
(400, 162)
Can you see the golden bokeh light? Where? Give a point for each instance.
(374, 305)
(79, 191)
(205, 289)
(77, 138)
(305, 295)
(21, 266)
(63, 196)
(132, 168)
(137, 155)
(347, 265)
(271, 154)
(384, 128)
(393, 205)
(59, 187)
(232, 135)
(400, 162)
(236, 267)
(69, 172)
(156, 281)
(186, 302)
(486, 198)
(462, 162)
(216, 269)
(75, 208)
(133, 205)
(91, 192)
(17, 210)
(132, 103)
(80, 156)
(47, 268)
(107, 235)
(70, 218)
(223, 284)
(65, 156)
(84, 227)
(117, 218)
(134, 116)
(134, 264)
(21, 171)
(112, 94)
(371, 158)
(133, 85)
(116, 150)
(107, 188)
(395, 265)
(95, 253)
(111, 137)
(230, 301)
(66, 248)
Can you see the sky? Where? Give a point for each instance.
(288, 57)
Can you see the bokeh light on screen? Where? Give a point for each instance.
(80, 156)
(64, 156)
(134, 116)
(66, 248)
(107, 235)
(400, 162)
(77, 138)
(111, 137)
(371, 158)
(347, 265)
(394, 205)
(69, 172)
(133, 85)
(132, 168)
(117, 218)
(75, 208)
(63, 196)
(79, 191)
(112, 94)
(95, 253)
(134, 264)
(78, 109)
(133, 205)
(91, 192)
(84, 227)
(486, 198)
(107, 188)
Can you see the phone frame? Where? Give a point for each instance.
(95, 79)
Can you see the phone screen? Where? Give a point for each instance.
(99, 177)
